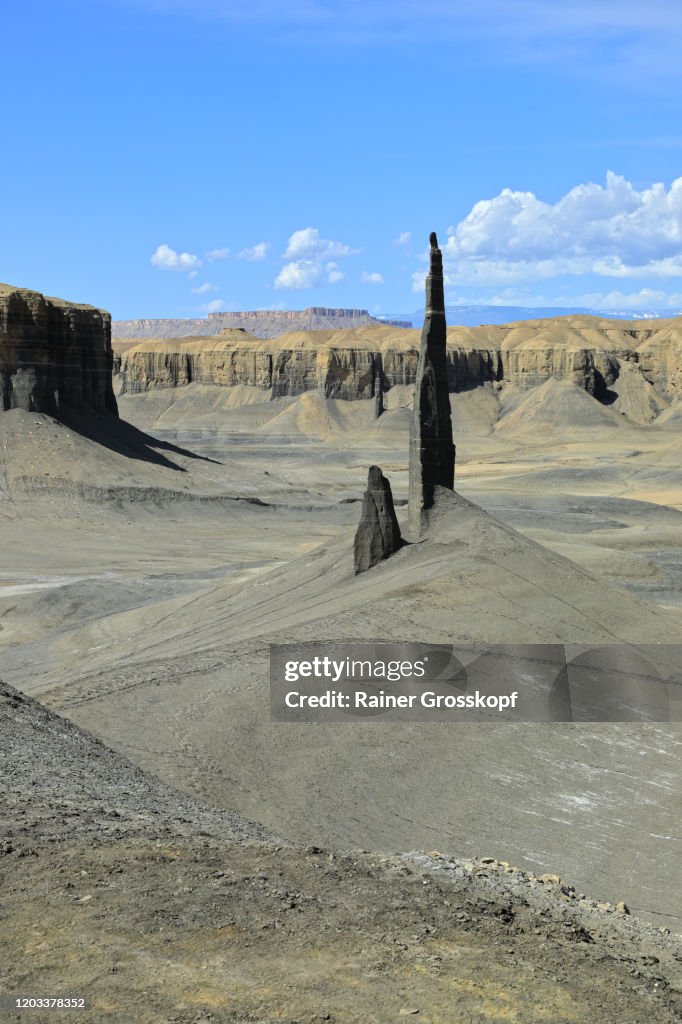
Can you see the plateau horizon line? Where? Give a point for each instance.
(468, 315)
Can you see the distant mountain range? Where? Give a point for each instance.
(273, 323)
(474, 316)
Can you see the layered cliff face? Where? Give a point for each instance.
(341, 364)
(368, 361)
(53, 354)
(338, 369)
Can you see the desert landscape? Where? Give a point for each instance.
(171, 508)
(341, 512)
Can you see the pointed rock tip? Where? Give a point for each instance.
(433, 240)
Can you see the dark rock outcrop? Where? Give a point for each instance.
(53, 353)
(378, 534)
(432, 452)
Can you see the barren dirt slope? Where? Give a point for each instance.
(192, 673)
(154, 909)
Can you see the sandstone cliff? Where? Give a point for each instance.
(53, 353)
(368, 361)
(262, 323)
(304, 361)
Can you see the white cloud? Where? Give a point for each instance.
(166, 258)
(215, 306)
(307, 244)
(403, 238)
(254, 253)
(299, 274)
(217, 254)
(312, 260)
(371, 277)
(612, 230)
(204, 289)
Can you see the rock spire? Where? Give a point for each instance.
(378, 534)
(432, 452)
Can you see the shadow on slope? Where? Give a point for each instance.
(125, 439)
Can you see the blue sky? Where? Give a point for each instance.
(166, 157)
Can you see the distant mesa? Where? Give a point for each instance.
(54, 354)
(262, 323)
(265, 323)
